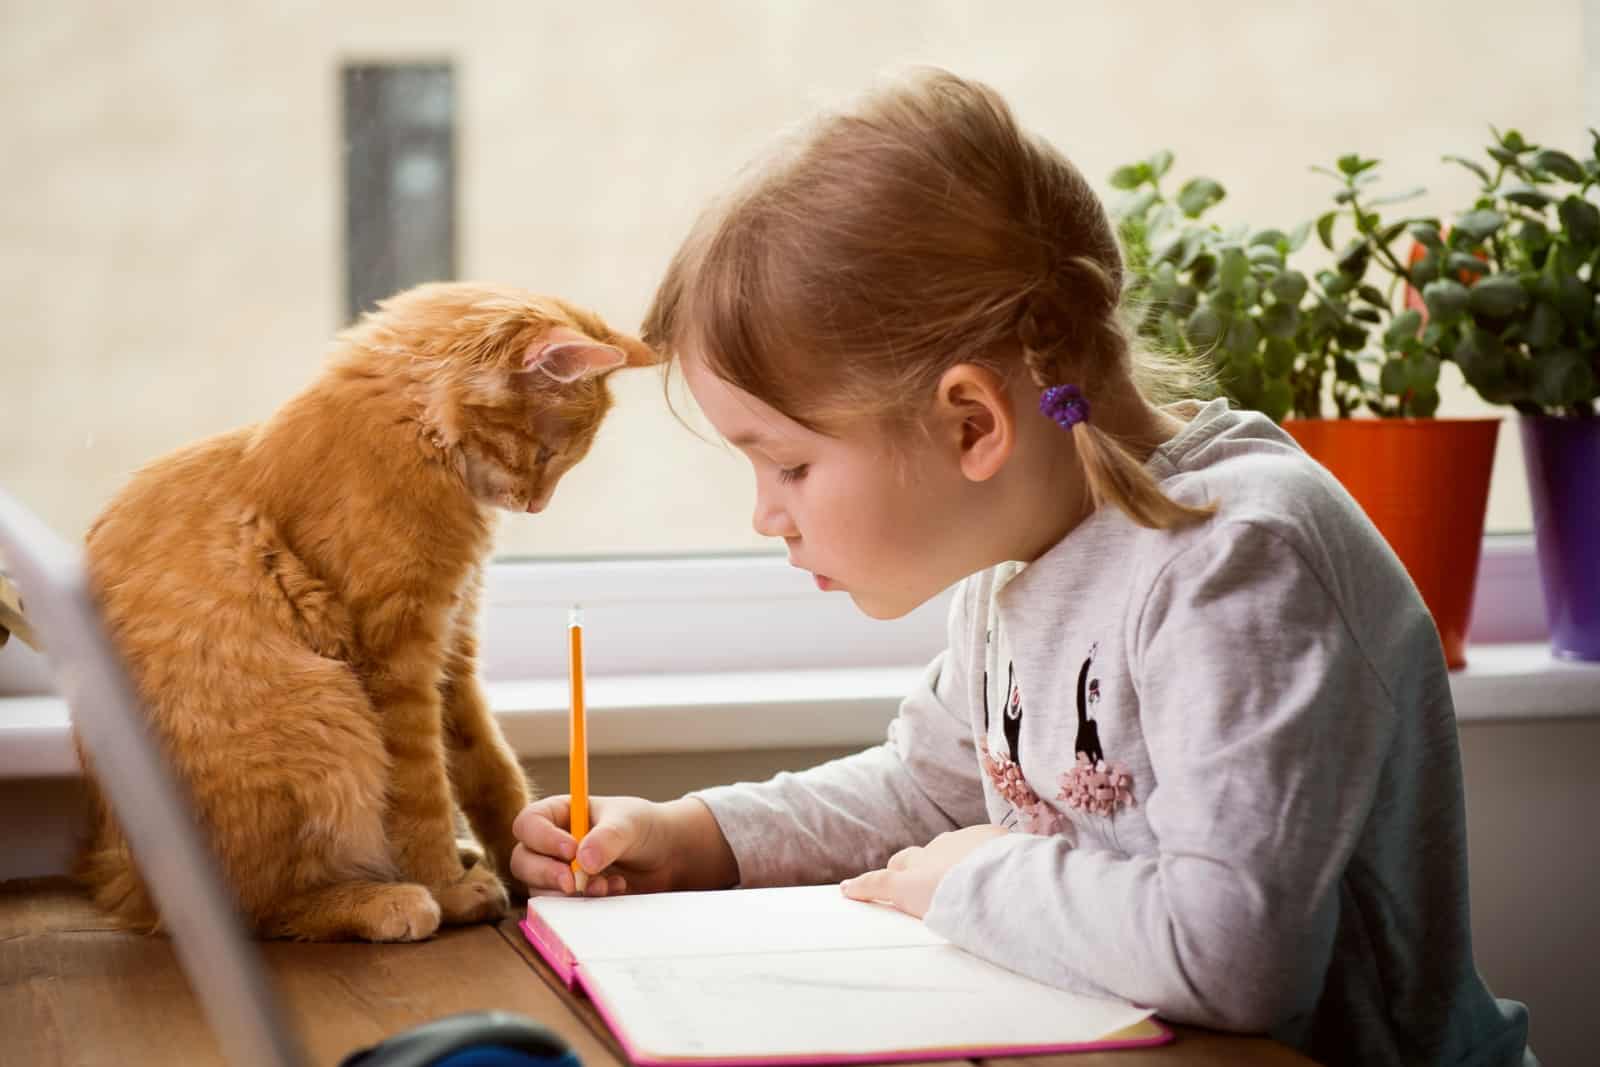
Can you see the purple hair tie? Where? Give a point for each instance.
(1065, 404)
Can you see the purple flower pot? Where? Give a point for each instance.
(1562, 457)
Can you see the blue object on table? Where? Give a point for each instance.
(472, 1039)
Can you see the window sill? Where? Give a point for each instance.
(847, 708)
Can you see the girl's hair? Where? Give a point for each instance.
(886, 244)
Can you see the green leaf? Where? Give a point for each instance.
(1393, 378)
(1298, 235)
(1403, 327)
(1366, 314)
(1581, 220)
(1325, 229)
(1533, 235)
(1160, 163)
(1271, 238)
(1446, 298)
(1397, 198)
(1423, 372)
(1243, 337)
(1250, 293)
(1352, 336)
(1266, 255)
(1480, 225)
(1544, 327)
(1470, 165)
(1423, 403)
(1203, 328)
(1502, 156)
(1335, 284)
(1129, 177)
(1482, 359)
(1554, 161)
(1353, 260)
(1499, 296)
(1138, 203)
(1166, 247)
(1459, 261)
(1277, 399)
(1563, 378)
(1277, 358)
(1426, 234)
(1279, 320)
(1288, 288)
(1574, 299)
(1372, 295)
(1527, 196)
(1351, 165)
(1425, 269)
(1512, 141)
(1190, 250)
(1198, 194)
(1233, 269)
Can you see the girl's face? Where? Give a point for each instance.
(889, 530)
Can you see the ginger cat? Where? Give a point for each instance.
(296, 602)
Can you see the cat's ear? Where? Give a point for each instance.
(568, 360)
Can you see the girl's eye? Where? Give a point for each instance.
(792, 474)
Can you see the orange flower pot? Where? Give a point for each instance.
(1425, 484)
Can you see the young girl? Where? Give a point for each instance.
(1191, 743)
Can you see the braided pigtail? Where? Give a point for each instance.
(1047, 327)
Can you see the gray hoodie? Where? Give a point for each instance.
(1230, 756)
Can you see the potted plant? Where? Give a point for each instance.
(1423, 480)
(1523, 324)
(1227, 299)
(1291, 346)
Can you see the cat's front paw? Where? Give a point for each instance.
(478, 896)
(399, 913)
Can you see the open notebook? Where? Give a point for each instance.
(804, 975)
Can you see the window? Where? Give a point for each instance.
(204, 202)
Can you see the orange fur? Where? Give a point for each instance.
(297, 600)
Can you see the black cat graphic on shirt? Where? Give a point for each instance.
(1087, 743)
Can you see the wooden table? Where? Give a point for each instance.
(74, 991)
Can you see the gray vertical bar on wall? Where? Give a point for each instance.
(400, 179)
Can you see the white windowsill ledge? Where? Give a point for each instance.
(799, 709)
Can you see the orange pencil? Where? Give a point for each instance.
(578, 743)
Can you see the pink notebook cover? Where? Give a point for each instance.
(554, 952)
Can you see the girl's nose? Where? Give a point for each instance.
(770, 520)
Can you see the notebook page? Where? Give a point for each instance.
(841, 1003)
(787, 919)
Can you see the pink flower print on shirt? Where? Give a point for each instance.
(1097, 787)
(1036, 816)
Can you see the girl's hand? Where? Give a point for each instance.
(633, 846)
(914, 874)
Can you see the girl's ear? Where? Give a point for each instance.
(568, 359)
(976, 419)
